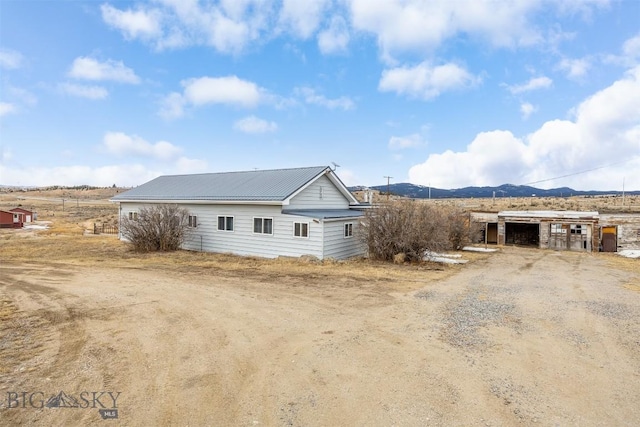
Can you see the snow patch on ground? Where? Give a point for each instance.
(444, 258)
(43, 225)
(630, 253)
(476, 249)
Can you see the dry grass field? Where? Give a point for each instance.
(516, 337)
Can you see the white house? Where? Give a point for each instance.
(266, 213)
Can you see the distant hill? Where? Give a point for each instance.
(505, 190)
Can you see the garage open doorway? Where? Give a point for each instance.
(492, 233)
(522, 234)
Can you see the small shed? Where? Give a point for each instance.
(619, 232)
(10, 219)
(27, 216)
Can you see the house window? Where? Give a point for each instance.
(193, 221)
(263, 225)
(301, 229)
(558, 229)
(348, 229)
(225, 223)
(133, 216)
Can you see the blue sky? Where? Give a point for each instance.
(441, 93)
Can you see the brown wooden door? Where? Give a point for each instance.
(609, 239)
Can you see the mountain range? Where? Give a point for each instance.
(505, 190)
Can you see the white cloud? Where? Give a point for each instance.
(253, 124)
(172, 106)
(348, 177)
(10, 59)
(91, 69)
(426, 81)
(302, 18)
(575, 68)
(630, 55)
(420, 26)
(605, 132)
(535, 83)
(187, 165)
(221, 90)
(335, 38)
(141, 23)
(631, 47)
(527, 109)
(104, 176)
(123, 145)
(22, 96)
(7, 108)
(228, 90)
(84, 91)
(310, 96)
(410, 141)
(228, 27)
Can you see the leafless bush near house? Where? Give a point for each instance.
(413, 228)
(403, 227)
(157, 228)
(461, 230)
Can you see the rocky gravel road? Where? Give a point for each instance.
(521, 337)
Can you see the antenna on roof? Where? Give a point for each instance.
(335, 166)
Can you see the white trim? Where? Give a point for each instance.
(344, 230)
(203, 202)
(287, 201)
(262, 233)
(301, 236)
(233, 220)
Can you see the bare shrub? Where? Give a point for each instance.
(157, 228)
(412, 228)
(405, 227)
(461, 230)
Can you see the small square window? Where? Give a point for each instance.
(225, 223)
(133, 216)
(263, 225)
(301, 229)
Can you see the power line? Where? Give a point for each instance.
(576, 173)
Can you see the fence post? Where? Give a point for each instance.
(95, 228)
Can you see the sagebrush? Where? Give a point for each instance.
(157, 228)
(413, 228)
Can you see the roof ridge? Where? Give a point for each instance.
(246, 171)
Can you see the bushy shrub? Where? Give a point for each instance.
(156, 228)
(413, 228)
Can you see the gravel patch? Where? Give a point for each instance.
(426, 295)
(465, 318)
(611, 310)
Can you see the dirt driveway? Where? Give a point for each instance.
(522, 337)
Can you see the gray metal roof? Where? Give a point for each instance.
(550, 214)
(259, 185)
(324, 213)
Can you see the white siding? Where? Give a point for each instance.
(242, 240)
(336, 245)
(310, 197)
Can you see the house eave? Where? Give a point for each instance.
(203, 202)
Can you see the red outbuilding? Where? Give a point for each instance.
(10, 219)
(27, 216)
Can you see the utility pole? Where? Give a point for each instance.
(623, 190)
(388, 191)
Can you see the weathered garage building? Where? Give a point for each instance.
(619, 231)
(561, 230)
